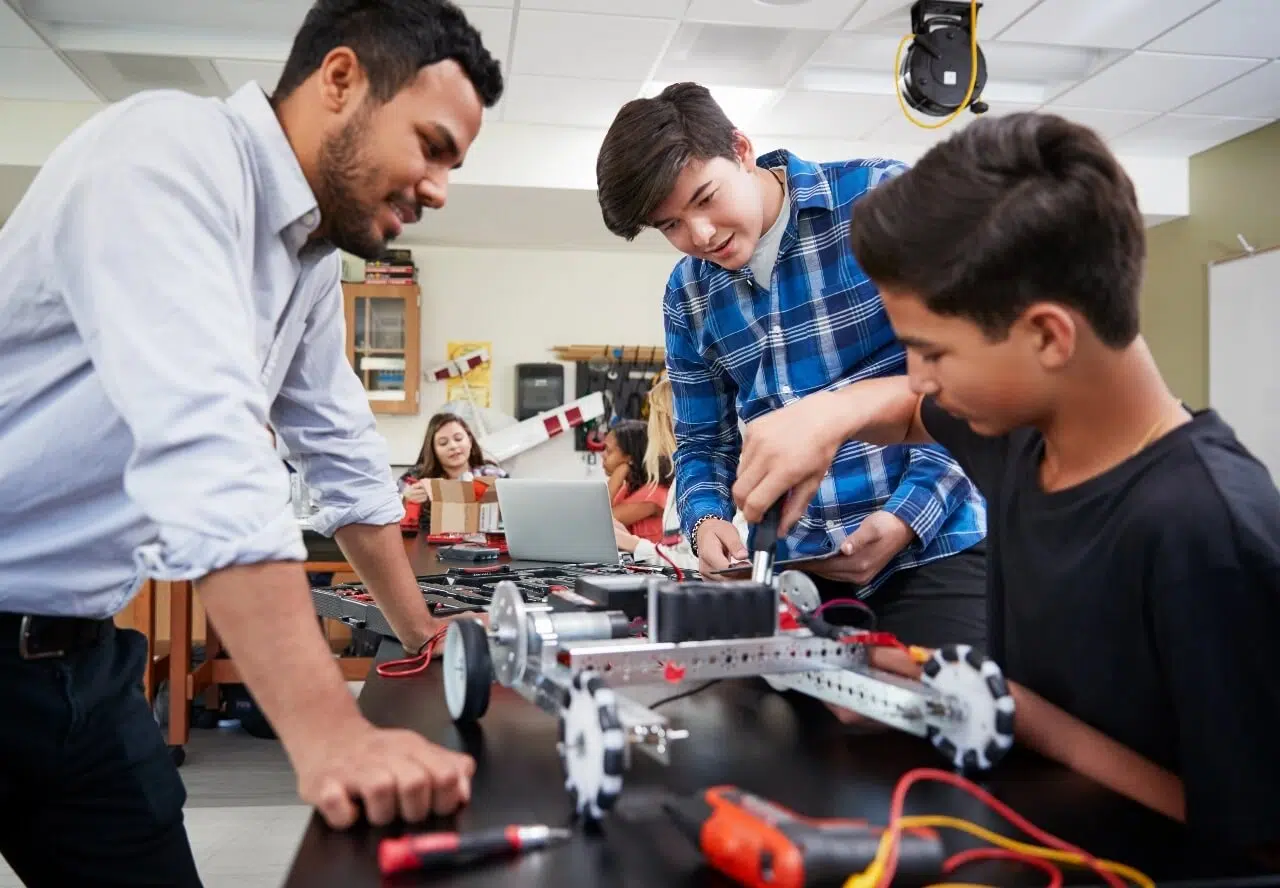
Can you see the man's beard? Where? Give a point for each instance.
(348, 221)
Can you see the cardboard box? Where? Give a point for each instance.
(464, 506)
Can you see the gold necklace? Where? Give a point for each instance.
(1158, 427)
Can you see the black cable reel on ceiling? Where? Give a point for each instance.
(937, 65)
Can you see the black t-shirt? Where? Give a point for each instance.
(1146, 603)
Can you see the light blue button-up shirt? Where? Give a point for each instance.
(159, 306)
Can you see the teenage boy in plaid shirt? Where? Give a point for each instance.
(768, 306)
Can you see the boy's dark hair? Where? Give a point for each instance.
(632, 437)
(647, 147)
(394, 40)
(1010, 211)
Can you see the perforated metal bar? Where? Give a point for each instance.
(624, 663)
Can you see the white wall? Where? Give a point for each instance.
(525, 302)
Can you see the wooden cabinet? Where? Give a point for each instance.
(383, 343)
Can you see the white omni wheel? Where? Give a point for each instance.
(507, 624)
(592, 747)
(979, 731)
(468, 670)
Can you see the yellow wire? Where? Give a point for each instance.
(869, 877)
(973, 72)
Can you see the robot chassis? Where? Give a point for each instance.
(568, 662)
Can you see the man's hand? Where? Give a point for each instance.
(418, 492)
(719, 543)
(392, 773)
(863, 555)
(788, 450)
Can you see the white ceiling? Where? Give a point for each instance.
(1155, 77)
(1169, 77)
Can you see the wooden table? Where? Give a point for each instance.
(784, 747)
(186, 683)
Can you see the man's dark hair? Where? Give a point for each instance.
(394, 40)
(1010, 211)
(647, 147)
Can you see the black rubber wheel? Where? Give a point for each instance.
(469, 668)
(178, 754)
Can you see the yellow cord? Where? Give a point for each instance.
(869, 877)
(973, 72)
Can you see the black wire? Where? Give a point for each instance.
(680, 696)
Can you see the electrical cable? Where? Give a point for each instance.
(979, 854)
(973, 72)
(657, 547)
(680, 696)
(407, 666)
(847, 603)
(881, 871)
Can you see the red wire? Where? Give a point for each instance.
(407, 666)
(674, 566)
(977, 854)
(1042, 837)
(846, 602)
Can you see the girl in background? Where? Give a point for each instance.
(638, 497)
(661, 451)
(449, 450)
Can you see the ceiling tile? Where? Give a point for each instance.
(491, 4)
(822, 14)
(1248, 28)
(226, 16)
(745, 106)
(1256, 94)
(494, 26)
(899, 130)
(836, 115)
(1186, 133)
(894, 16)
(15, 33)
(1149, 81)
(566, 101)
(39, 75)
(608, 47)
(669, 9)
(737, 55)
(236, 73)
(1105, 23)
(1107, 124)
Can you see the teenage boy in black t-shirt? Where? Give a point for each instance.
(1134, 546)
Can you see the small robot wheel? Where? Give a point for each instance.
(468, 670)
(978, 732)
(592, 747)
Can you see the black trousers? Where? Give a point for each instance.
(942, 602)
(88, 792)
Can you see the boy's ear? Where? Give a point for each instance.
(1053, 333)
(742, 148)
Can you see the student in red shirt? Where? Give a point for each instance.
(638, 499)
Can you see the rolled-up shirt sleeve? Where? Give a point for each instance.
(148, 253)
(323, 418)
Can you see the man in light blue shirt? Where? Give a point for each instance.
(170, 287)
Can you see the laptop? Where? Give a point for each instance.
(558, 522)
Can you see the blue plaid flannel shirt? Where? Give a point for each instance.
(739, 350)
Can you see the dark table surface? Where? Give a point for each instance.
(783, 747)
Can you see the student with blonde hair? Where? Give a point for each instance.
(662, 447)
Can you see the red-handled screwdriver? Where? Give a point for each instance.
(447, 848)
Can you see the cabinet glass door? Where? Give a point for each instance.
(380, 346)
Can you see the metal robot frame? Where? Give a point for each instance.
(569, 663)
